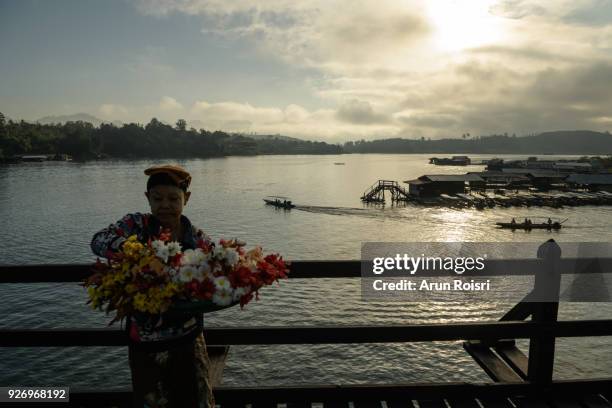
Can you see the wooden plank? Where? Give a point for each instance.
(595, 401)
(335, 404)
(233, 396)
(463, 403)
(488, 331)
(399, 403)
(431, 403)
(514, 357)
(495, 402)
(99, 398)
(300, 269)
(531, 402)
(566, 403)
(304, 404)
(491, 363)
(368, 403)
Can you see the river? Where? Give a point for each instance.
(50, 210)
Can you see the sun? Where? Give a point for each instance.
(462, 24)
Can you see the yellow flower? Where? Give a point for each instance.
(140, 302)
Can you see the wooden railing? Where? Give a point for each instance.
(519, 378)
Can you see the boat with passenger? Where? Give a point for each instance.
(279, 202)
(529, 224)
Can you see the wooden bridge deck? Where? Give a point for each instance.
(376, 192)
(519, 380)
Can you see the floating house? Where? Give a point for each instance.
(499, 179)
(453, 161)
(533, 163)
(593, 182)
(577, 167)
(436, 184)
(34, 158)
(542, 179)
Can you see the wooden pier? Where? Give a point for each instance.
(376, 192)
(518, 380)
(482, 199)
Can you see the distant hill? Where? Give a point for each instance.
(583, 142)
(82, 117)
(570, 142)
(271, 137)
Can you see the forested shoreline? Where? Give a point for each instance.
(84, 141)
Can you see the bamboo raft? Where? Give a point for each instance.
(519, 380)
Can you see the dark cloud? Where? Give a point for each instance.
(431, 121)
(526, 53)
(493, 100)
(367, 29)
(517, 9)
(591, 84)
(597, 13)
(360, 113)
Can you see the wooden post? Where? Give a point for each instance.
(546, 292)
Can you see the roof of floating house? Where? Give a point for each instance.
(536, 173)
(500, 175)
(427, 178)
(590, 179)
(573, 165)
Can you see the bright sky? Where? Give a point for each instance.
(318, 69)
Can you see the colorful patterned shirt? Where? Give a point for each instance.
(145, 226)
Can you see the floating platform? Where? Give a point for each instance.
(487, 199)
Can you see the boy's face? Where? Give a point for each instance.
(167, 202)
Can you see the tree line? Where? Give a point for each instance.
(156, 139)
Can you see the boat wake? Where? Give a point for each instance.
(361, 212)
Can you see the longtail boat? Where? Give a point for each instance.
(553, 225)
(279, 202)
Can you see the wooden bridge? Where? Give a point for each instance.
(376, 192)
(519, 380)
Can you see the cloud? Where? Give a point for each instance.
(167, 103)
(360, 112)
(375, 69)
(112, 111)
(314, 33)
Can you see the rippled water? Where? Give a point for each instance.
(51, 210)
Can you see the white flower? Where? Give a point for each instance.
(239, 292)
(157, 245)
(187, 273)
(204, 269)
(222, 283)
(174, 248)
(172, 273)
(222, 297)
(201, 257)
(189, 257)
(161, 250)
(162, 253)
(232, 257)
(218, 252)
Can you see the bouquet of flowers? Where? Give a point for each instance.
(157, 277)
